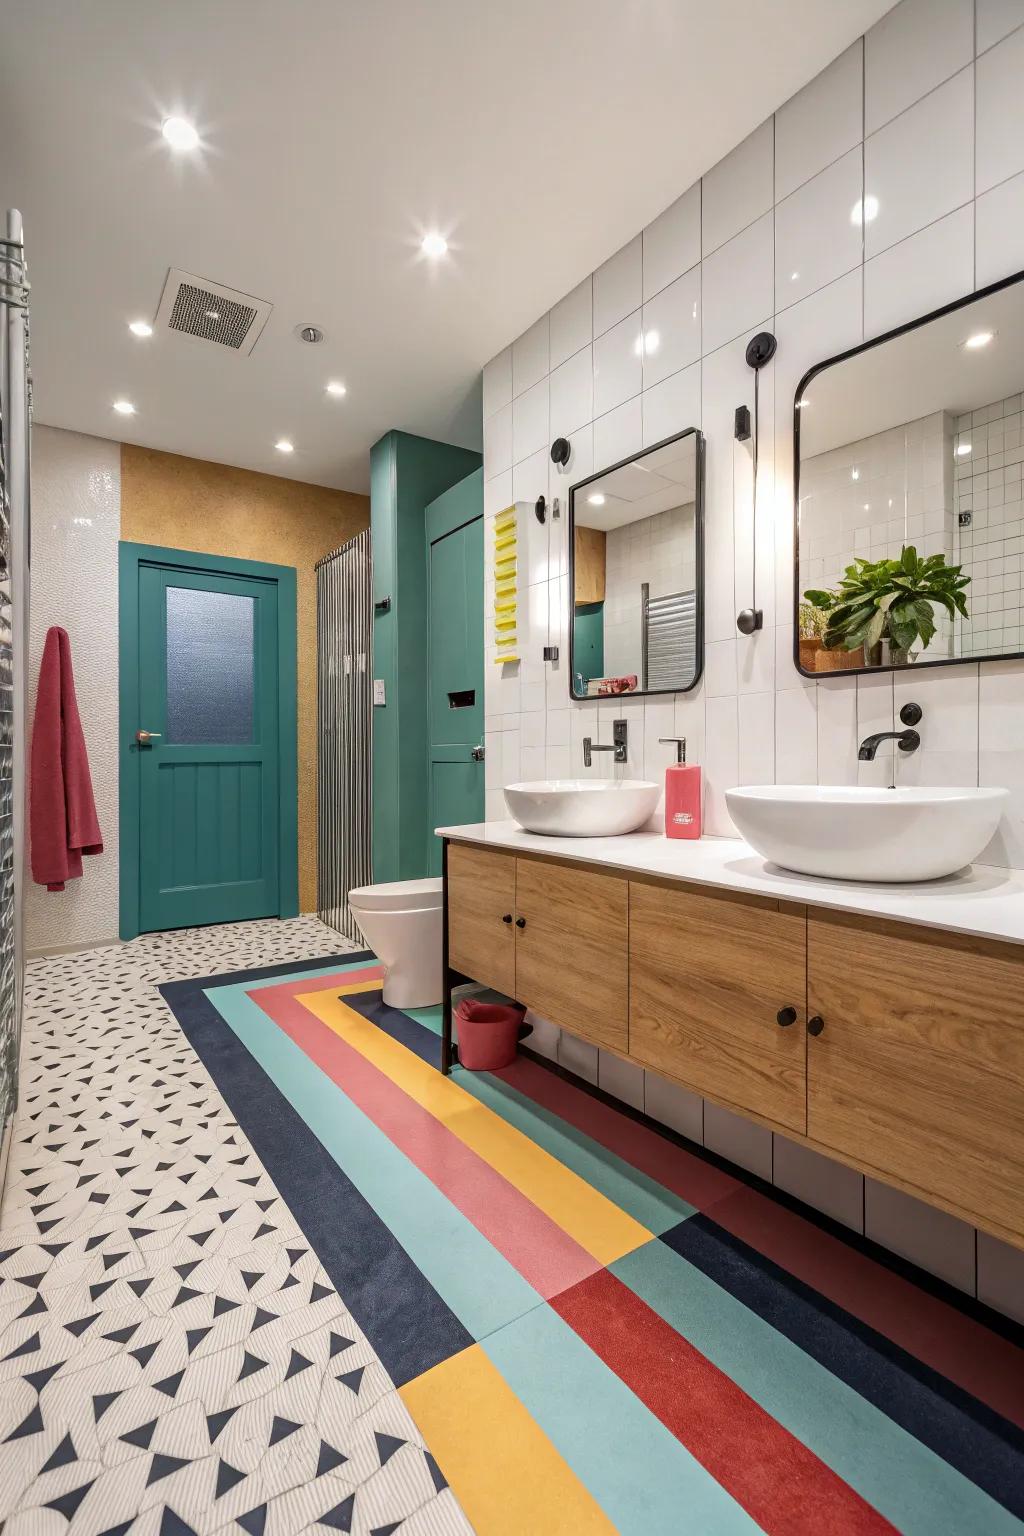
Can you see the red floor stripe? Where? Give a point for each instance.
(778, 1481)
(978, 1360)
(546, 1256)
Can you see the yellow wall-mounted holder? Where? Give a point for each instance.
(504, 568)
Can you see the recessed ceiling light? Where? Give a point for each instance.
(979, 339)
(140, 327)
(179, 133)
(434, 245)
(335, 387)
(284, 446)
(597, 500)
(124, 408)
(864, 211)
(963, 448)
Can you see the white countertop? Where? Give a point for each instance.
(982, 900)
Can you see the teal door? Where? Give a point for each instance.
(455, 690)
(208, 775)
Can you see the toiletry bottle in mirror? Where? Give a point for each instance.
(683, 793)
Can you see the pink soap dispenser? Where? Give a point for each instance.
(682, 793)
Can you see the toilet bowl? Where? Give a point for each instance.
(401, 923)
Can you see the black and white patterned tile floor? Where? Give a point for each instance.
(173, 1358)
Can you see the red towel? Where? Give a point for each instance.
(62, 812)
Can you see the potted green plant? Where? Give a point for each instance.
(890, 602)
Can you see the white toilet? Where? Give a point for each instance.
(401, 923)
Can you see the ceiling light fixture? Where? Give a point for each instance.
(597, 500)
(864, 210)
(124, 408)
(284, 446)
(180, 134)
(140, 327)
(434, 245)
(979, 339)
(335, 387)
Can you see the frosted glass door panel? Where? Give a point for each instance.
(209, 667)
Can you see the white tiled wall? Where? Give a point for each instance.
(989, 458)
(926, 115)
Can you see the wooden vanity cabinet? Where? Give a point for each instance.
(918, 1069)
(572, 950)
(717, 996)
(551, 935)
(481, 896)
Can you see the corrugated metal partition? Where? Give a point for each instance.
(344, 607)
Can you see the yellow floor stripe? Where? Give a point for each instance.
(503, 1469)
(595, 1222)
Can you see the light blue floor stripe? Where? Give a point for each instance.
(912, 1487)
(480, 1286)
(650, 1203)
(646, 1482)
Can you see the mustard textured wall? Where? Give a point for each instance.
(219, 510)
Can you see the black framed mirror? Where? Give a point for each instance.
(636, 573)
(907, 494)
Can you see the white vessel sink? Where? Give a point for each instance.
(582, 807)
(849, 833)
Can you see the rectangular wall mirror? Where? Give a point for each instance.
(909, 526)
(636, 573)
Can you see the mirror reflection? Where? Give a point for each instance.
(635, 536)
(909, 495)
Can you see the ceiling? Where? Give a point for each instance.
(537, 135)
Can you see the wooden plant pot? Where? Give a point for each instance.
(838, 661)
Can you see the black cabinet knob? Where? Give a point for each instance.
(507, 918)
(786, 1016)
(815, 1025)
(520, 922)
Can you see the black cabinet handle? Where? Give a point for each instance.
(786, 1016)
(520, 922)
(815, 1025)
(507, 918)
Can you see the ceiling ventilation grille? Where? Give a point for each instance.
(209, 312)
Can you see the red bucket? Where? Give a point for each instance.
(487, 1033)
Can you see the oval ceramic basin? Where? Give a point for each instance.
(850, 833)
(582, 807)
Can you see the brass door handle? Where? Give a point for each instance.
(145, 737)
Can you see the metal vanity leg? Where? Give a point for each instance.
(448, 1054)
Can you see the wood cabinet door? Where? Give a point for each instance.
(481, 896)
(918, 1071)
(708, 975)
(571, 952)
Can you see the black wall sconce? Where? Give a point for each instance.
(760, 350)
(560, 451)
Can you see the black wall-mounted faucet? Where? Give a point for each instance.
(619, 747)
(907, 741)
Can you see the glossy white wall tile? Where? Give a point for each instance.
(1000, 126)
(912, 50)
(671, 245)
(780, 203)
(739, 189)
(821, 123)
(618, 286)
(995, 18)
(920, 165)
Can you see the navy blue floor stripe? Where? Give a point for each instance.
(409, 1032)
(407, 1323)
(264, 972)
(978, 1442)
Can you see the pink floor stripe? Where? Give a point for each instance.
(334, 983)
(533, 1244)
(982, 1362)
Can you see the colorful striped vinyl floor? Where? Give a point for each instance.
(597, 1328)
